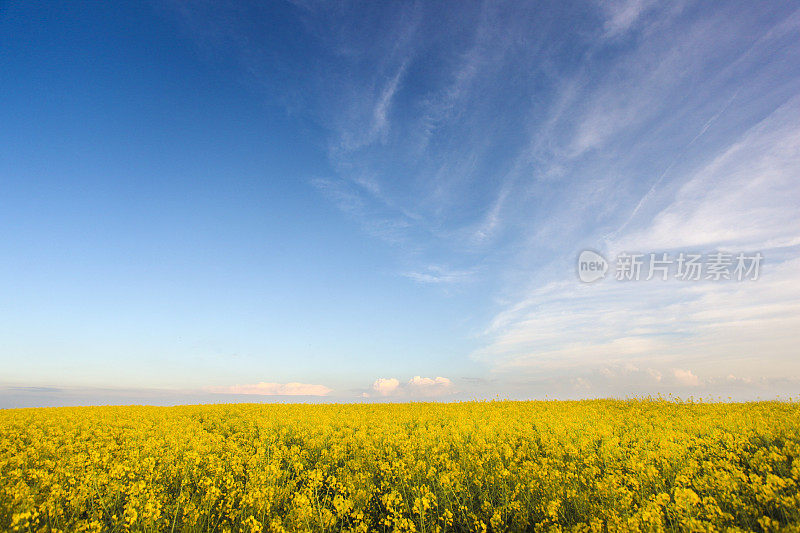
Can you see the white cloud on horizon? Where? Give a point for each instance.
(417, 386)
(686, 377)
(385, 386)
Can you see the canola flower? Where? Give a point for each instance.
(597, 465)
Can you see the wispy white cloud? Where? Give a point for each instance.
(356, 199)
(502, 150)
(362, 129)
(439, 274)
(743, 328)
(623, 14)
(729, 181)
(746, 197)
(380, 121)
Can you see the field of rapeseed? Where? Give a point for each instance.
(598, 465)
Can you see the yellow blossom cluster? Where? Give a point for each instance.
(596, 465)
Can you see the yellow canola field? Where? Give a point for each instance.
(598, 465)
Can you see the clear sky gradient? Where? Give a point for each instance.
(315, 201)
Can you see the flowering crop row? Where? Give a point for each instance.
(600, 465)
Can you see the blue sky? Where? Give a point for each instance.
(317, 201)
